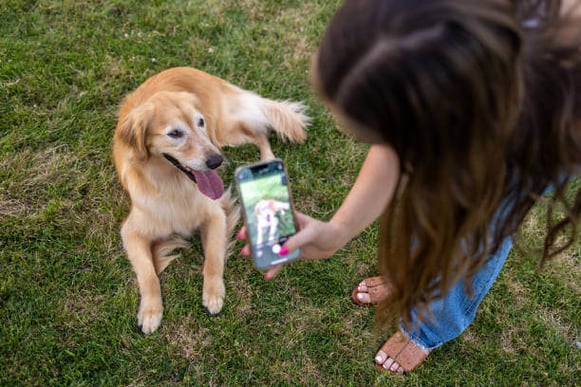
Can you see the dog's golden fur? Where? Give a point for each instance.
(172, 126)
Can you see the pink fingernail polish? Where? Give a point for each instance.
(283, 251)
(239, 235)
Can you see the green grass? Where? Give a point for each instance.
(68, 297)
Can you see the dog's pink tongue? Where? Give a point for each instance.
(209, 183)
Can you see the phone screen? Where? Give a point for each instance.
(266, 202)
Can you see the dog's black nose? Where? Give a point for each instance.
(214, 161)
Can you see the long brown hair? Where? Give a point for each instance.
(481, 100)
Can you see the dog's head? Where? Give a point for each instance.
(261, 207)
(170, 125)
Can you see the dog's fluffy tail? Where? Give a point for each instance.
(162, 249)
(288, 119)
(232, 209)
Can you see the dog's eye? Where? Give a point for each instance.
(176, 133)
(200, 122)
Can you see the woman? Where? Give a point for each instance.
(473, 111)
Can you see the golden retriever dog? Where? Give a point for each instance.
(166, 148)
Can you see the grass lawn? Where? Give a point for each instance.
(68, 297)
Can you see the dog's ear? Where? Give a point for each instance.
(132, 129)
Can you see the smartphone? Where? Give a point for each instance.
(267, 210)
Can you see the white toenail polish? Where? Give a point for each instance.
(378, 359)
(360, 297)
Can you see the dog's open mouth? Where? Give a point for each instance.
(209, 183)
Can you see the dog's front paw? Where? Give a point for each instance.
(213, 295)
(149, 316)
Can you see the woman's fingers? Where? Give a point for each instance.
(272, 272)
(242, 233)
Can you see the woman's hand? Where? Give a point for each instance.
(316, 239)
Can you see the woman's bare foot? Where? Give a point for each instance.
(370, 291)
(399, 354)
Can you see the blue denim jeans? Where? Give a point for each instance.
(453, 313)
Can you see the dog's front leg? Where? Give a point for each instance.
(214, 241)
(140, 255)
(259, 234)
(273, 226)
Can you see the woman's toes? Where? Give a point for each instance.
(388, 363)
(363, 293)
(364, 298)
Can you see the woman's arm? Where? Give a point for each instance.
(370, 195)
